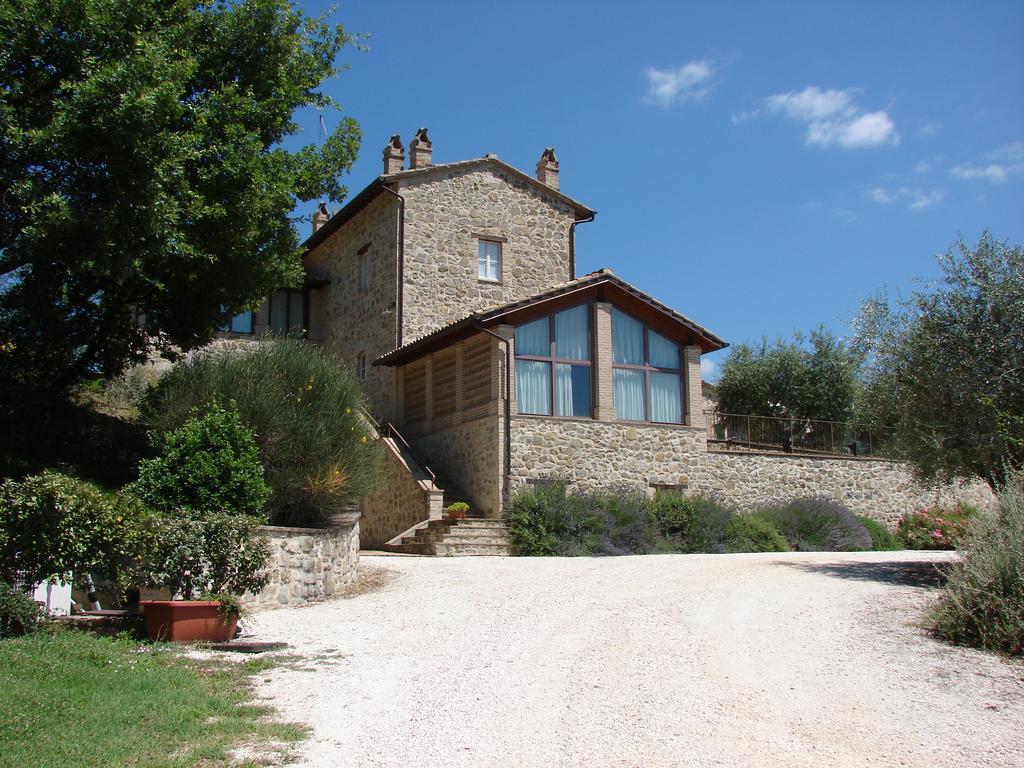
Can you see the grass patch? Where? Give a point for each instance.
(72, 698)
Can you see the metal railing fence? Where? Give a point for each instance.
(729, 431)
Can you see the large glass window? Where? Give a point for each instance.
(553, 364)
(647, 374)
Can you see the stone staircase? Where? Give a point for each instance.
(472, 536)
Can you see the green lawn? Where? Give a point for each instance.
(73, 699)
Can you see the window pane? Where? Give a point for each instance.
(572, 388)
(665, 402)
(533, 386)
(279, 312)
(627, 339)
(534, 338)
(242, 322)
(629, 394)
(662, 352)
(572, 334)
(295, 312)
(488, 259)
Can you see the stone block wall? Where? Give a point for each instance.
(406, 497)
(351, 321)
(307, 564)
(447, 213)
(471, 455)
(614, 455)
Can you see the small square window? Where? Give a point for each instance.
(489, 260)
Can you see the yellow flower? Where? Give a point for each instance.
(362, 439)
(348, 410)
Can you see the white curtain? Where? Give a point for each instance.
(572, 389)
(665, 400)
(627, 339)
(629, 394)
(662, 352)
(533, 386)
(572, 334)
(534, 338)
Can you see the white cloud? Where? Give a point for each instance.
(690, 82)
(707, 366)
(916, 198)
(1009, 160)
(922, 167)
(833, 117)
(930, 129)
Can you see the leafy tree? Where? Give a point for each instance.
(145, 189)
(812, 380)
(947, 365)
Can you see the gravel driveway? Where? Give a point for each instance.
(672, 660)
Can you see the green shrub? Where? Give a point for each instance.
(983, 601)
(935, 528)
(818, 524)
(19, 613)
(208, 464)
(752, 533)
(52, 525)
(209, 553)
(690, 523)
(305, 407)
(882, 539)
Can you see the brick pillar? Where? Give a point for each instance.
(459, 386)
(428, 393)
(604, 398)
(694, 396)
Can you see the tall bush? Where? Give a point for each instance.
(983, 601)
(305, 407)
(52, 525)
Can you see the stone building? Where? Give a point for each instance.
(452, 290)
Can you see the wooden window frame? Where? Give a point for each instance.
(301, 294)
(647, 370)
(554, 360)
(363, 269)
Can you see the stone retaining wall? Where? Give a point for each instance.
(307, 564)
(596, 454)
(469, 454)
(404, 499)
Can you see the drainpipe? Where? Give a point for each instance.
(572, 243)
(401, 263)
(506, 481)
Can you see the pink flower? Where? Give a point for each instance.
(936, 534)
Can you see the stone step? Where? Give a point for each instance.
(499, 541)
(464, 550)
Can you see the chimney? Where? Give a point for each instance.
(321, 216)
(547, 168)
(420, 150)
(394, 156)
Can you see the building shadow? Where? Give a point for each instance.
(907, 573)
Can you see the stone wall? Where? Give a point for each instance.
(307, 564)
(606, 455)
(406, 497)
(447, 213)
(351, 321)
(470, 454)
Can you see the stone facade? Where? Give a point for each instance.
(307, 564)
(353, 318)
(595, 454)
(470, 454)
(406, 498)
(448, 211)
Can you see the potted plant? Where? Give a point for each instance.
(207, 489)
(457, 510)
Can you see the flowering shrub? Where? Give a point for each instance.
(934, 528)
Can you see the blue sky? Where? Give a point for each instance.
(761, 167)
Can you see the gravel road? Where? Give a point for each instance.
(673, 660)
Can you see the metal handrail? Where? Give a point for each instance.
(797, 435)
(392, 431)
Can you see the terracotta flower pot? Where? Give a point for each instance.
(187, 621)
